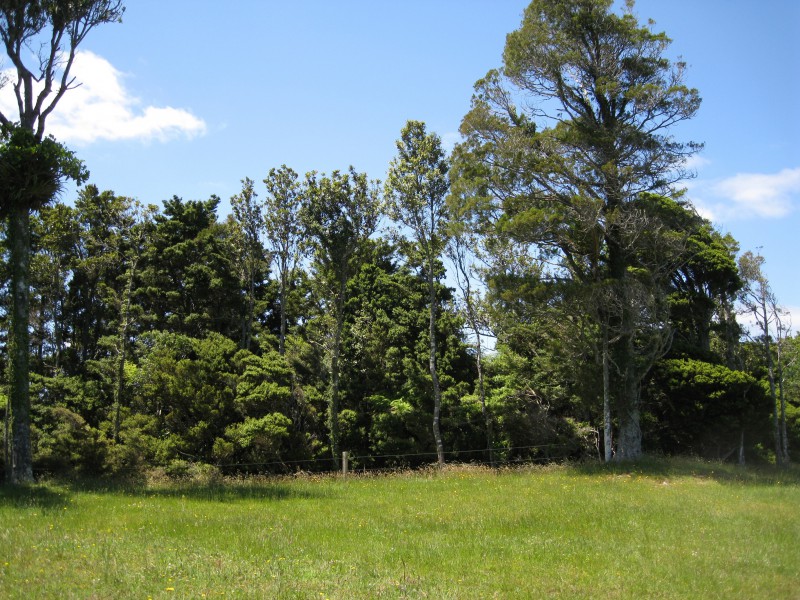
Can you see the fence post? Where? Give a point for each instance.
(345, 462)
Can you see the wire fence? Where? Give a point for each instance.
(490, 457)
(392, 462)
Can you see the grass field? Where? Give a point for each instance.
(665, 529)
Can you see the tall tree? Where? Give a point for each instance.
(187, 272)
(340, 213)
(55, 233)
(284, 232)
(416, 188)
(782, 335)
(249, 257)
(56, 29)
(567, 164)
(31, 173)
(105, 222)
(139, 227)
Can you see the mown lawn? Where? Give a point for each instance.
(665, 529)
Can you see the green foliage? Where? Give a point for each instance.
(285, 235)
(706, 409)
(398, 428)
(141, 446)
(703, 285)
(106, 226)
(385, 373)
(188, 385)
(255, 440)
(264, 385)
(188, 400)
(188, 282)
(192, 400)
(161, 341)
(33, 170)
(561, 144)
(538, 402)
(65, 443)
(249, 258)
(340, 212)
(416, 187)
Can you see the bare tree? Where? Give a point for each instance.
(783, 329)
(758, 300)
(459, 250)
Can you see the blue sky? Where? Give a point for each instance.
(187, 97)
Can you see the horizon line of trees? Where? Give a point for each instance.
(172, 336)
(293, 329)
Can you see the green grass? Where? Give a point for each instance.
(666, 529)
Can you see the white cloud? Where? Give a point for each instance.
(762, 195)
(101, 108)
(450, 139)
(695, 162)
(704, 211)
(748, 195)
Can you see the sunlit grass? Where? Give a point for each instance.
(662, 530)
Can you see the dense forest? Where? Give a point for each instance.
(544, 292)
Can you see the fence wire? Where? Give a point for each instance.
(495, 457)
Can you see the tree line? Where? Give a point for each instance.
(332, 312)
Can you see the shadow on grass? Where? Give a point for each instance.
(227, 490)
(33, 496)
(663, 467)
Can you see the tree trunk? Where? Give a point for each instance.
(629, 441)
(607, 433)
(741, 448)
(630, 434)
(466, 290)
(437, 392)
(782, 416)
(7, 442)
(629, 444)
(282, 300)
(122, 348)
(771, 376)
(19, 396)
(482, 393)
(333, 399)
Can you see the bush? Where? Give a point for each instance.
(64, 442)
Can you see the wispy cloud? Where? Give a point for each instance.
(762, 195)
(450, 139)
(748, 195)
(102, 108)
(695, 162)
